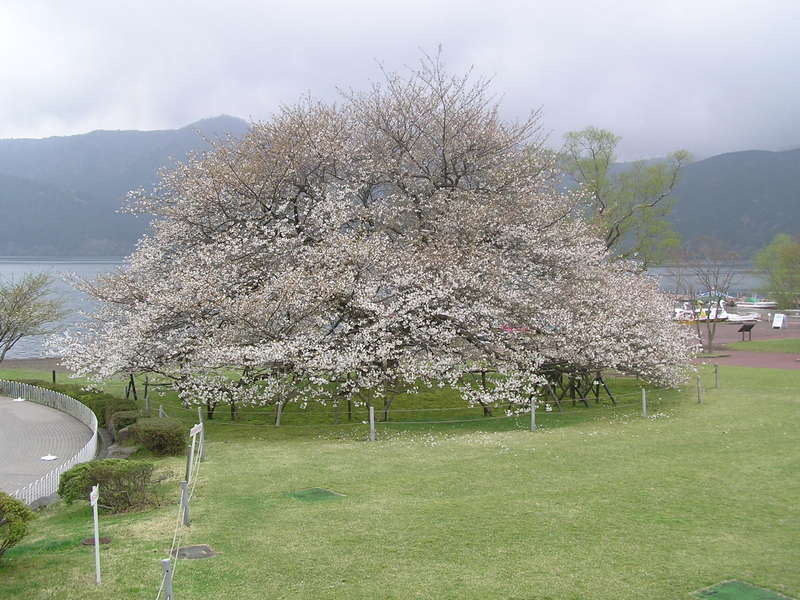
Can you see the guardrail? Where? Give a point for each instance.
(48, 483)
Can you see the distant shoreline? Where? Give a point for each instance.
(43, 364)
(61, 259)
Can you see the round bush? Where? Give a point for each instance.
(14, 517)
(160, 435)
(122, 419)
(124, 484)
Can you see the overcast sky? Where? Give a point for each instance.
(710, 76)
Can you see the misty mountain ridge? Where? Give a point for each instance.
(60, 196)
(63, 194)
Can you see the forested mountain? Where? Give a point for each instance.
(742, 198)
(59, 196)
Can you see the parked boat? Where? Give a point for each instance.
(689, 315)
(756, 303)
(735, 318)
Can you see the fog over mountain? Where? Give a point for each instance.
(60, 196)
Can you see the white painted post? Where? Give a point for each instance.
(185, 503)
(202, 433)
(190, 458)
(372, 435)
(533, 414)
(93, 497)
(644, 403)
(161, 412)
(167, 567)
(278, 414)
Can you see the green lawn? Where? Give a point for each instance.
(788, 345)
(598, 504)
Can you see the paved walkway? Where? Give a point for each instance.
(29, 431)
(764, 360)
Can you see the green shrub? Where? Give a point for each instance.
(117, 405)
(14, 517)
(122, 419)
(160, 435)
(124, 484)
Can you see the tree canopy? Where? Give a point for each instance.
(780, 260)
(628, 205)
(398, 239)
(26, 309)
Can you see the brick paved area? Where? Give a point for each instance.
(29, 431)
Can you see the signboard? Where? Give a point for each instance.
(195, 430)
(779, 321)
(94, 495)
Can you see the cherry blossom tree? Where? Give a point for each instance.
(401, 239)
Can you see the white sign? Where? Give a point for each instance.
(94, 495)
(779, 321)
(196, 429)
(49, 457)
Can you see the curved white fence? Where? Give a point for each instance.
(48, 484)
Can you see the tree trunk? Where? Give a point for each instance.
(387, 404)
(210, 406)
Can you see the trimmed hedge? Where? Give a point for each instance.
(160, 435)
(124, 484)
(14, 517)
(122, 419)
(102, 404)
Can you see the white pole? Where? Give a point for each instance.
(167, 567)
(93, 497)
(372, 436)
(644, 403)
(533, 414)
(278, 414)
(190, 458)
(185, 503)
(202, 433)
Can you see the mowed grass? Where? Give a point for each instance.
(599, 504)
(786, 345)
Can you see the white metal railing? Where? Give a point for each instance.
(48, 483)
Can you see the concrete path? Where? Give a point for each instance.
(29, 431)
(763, 360)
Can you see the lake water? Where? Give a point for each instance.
(74, 301)
(746, 282)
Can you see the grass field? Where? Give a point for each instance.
(598, 504)
(787, 345)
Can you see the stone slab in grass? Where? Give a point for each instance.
(315, 494)
(738, 590)
(197, 551)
